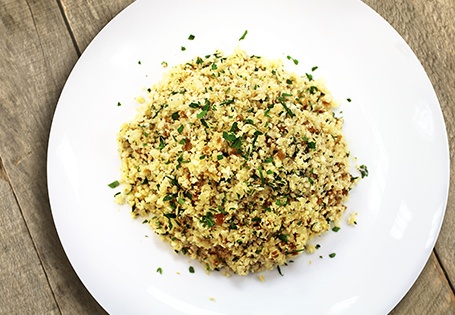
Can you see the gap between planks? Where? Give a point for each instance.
(62, 8)
(4, 176)
(441, 265)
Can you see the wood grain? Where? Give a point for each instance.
(36, 57)
(430, 294)
(22, 276)
(99, 13)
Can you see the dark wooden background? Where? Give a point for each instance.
(41, 40)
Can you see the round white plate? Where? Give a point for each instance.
(393, 125)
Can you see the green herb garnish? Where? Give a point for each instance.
(283, 237)
(243, 36)
(162, 144)
(207, 220)
(191, 37)
(313, 89)
(290, 113)
(114, 184)
(234, 142)
(363, 171)
(261, 175)
(175, 116)
(296, 62)
(279, 270)
(205, 109)
(234, 127)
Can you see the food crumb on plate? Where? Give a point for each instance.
(352, 220)
(226, 274)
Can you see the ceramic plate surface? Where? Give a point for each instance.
(394, 125)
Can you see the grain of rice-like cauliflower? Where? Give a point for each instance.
(236, 162)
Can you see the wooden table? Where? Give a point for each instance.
(41, 40)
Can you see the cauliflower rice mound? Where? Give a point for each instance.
(236, 162)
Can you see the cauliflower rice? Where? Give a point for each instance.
(236, 162)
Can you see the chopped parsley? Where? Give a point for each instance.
(114, 184)
(175, 116)
(363, 171)
(234, 142)
(205, 109)
(283, 237)
(279, 270)
(182, 48)
(191, 37)
(162, 144)
(288, 111)
(295, 61)
(261, 175)
(335, 229)
(159, 270)
(207, 220)
(244, 35)
(191, 269)
(313, 89)
(332, 255)
(119, 104)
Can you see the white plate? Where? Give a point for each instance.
(394, 125)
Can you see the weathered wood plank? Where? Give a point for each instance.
(99, 13)
(429, 29)
(430, 294)
(23, 283)
(36, 56)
